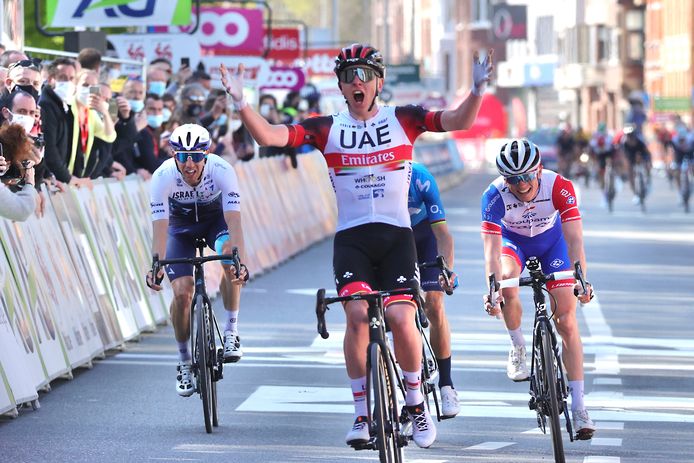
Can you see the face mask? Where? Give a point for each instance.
(157, 87)
(65, 90)
(25, 121)
(136, 105)
(83, 95)
(194, 110)
(234, 125)
(29, 89)
(222, 120)
(166, 113)
(155, 120)
(265, 109)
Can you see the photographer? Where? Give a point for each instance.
(17, 200)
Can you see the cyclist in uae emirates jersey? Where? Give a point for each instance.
(368, 150)
(193, 195)
(528, 211)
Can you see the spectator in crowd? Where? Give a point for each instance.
(23, 75)
(156, 81)
(169, 102)
(107, 166)
(215, 118)
(126, 135)
(11, 56)
(290, 115)
(267, 107)
(3, 76)
(90, 58)
(2, 48)
(190, 108)
(147, 144)
(202, 77)
(19, 205)
(57, 97)
(134, 92)
(91, 120)
(163, 64)
(178, 80)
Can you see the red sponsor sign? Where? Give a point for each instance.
(320, 62)
(285, 44)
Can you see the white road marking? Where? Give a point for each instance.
(598, 459)
(607, 382)
(603, 406)
(609, 426)
(607, 358)
(606, 441)
(490, 446)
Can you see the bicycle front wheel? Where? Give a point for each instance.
(204, 365)
(385, 414)
(550, 391)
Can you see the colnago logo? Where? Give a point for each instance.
(366, 159)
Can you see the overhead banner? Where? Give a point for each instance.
(147, 47)
(510, 21)
(285, 44)
(119, 13)
(226, 31)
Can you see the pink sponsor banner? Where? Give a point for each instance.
(290, 78)
(226, 31)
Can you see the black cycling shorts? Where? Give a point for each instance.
(374, 256)
(425, 241)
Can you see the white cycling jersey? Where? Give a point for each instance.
(370, 162)
(172, 198)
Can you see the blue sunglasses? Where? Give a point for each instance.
(195, 156)
(527, 178)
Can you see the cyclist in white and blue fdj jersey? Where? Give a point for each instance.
(432, 238)
(195, 195)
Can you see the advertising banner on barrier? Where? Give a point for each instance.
(84, 263)
(19, 353)
(122, 13)
(111, 240)
(130, 219)
(40, 308)
(103, 256)
(7, 404)
(50, 273)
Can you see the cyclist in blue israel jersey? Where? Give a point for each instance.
(432, 238)
(196, 195)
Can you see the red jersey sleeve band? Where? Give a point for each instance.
(491, 228)
(432, 121)
(570, 214)
(296, 135)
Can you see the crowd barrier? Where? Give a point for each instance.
(73, 280)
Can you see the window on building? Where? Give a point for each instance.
(544, 35)
(481, 11)
(635, 46)
(603, 36)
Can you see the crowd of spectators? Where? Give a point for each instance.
(81, 120)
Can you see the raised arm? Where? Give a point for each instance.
(464, 115)
(263, 132)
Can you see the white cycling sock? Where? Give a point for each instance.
(413, 394)
(359, 396)
(183, 354)
(576, 389)
(517, 338)
(232, 320)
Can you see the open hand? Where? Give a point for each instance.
(481, 71)
(233, 82)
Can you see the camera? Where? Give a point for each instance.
(39, 141)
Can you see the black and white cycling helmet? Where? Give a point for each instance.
(190, 137)
(517, 157)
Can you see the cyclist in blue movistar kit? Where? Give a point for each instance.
(195, 194)
(432, 238)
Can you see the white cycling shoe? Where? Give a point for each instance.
(423, 427)
(450, 405)
(516, 369)
(359, 434)
(583, 425)
(184, 379)
(232, 347)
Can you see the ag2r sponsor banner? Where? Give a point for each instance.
(121, 13)
(226, 31)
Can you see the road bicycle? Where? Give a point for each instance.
(548, 385)
(382, 381)
(640, 182)
(609, 189)
(205, 335)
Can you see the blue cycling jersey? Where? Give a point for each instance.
(423, 199)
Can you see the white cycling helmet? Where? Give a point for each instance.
(517, 157)
(190, 137)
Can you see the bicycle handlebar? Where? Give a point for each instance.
(446, 272)
(323, 302)
(234, 257)
(540, 278)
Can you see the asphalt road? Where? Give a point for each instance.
(288, 400)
